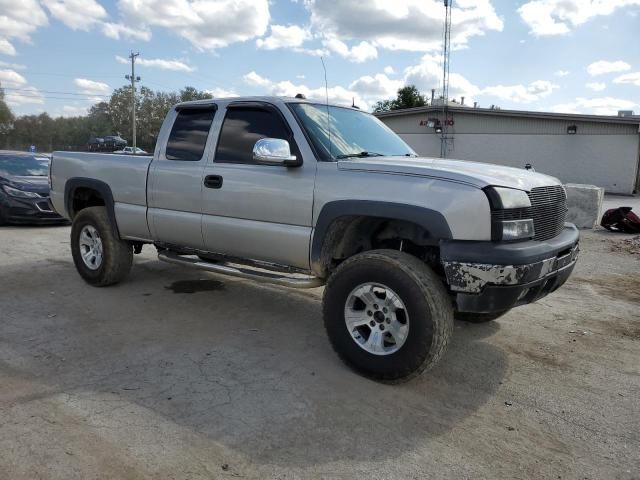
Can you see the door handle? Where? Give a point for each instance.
(213, 181)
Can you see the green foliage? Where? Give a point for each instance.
(6, 116)
(105, 118)
(408, 97)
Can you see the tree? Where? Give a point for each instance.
(6, 117)
(408, 97)
(104, 118)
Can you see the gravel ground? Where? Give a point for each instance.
(176, 374)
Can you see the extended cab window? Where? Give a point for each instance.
(243, 127)
(189, 134)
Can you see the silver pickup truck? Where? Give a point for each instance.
(301, 194)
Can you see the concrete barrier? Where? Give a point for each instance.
(584, 203)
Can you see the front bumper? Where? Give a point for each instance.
(30, 210)
(491, 277)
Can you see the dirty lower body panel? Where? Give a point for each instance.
(491, 285)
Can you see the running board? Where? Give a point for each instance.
(233, 271)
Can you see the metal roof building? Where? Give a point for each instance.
(591, 149)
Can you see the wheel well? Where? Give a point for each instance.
(84, 197)
(349, 235)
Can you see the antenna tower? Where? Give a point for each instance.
(446, 52)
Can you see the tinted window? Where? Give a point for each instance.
(242, 128)
(189, 135)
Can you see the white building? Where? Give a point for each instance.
(590, 149)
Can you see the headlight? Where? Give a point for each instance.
(14, 192)
(502, 198)
(506, 230)
(511, 215)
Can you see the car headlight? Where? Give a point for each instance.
(511, 215)
(14, 192)
(502, 198)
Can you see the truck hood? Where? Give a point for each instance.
(473, 173)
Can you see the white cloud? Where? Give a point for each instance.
(596, 106)
(414, 25)
(18, 20)
(562, 73)
(255, 80)
(11, 79)
(596, 86)
(629, 78)
(12, 66)
(338, 95)
(284, 37)
(221, 93)
(118, 30)
(207, 24)
(557, 17)
(76, 14)
(6, 48)
(358, 53)
(428, 74)
(71, 111)
(377, 87)
(25, 96)
(91, 87)
(521, 93)
(161, 63)
(604, 66)
(388, 70)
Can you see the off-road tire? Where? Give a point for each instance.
(479, 317)
(428, 306)
(117, 254)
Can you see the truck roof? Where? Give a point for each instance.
(263, 98)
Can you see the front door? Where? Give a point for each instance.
(174, 190)
(260, 212)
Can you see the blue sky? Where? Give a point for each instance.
(60, 56)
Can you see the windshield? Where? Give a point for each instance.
(23, 166)
(352, 133)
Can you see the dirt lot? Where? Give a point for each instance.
(176, 374)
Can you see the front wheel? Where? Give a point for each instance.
(100, 257)
(387, 315)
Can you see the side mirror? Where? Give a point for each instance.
(274, 151)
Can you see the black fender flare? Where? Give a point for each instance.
(99, 186)
(431, 220)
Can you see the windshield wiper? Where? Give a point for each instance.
(360, 155)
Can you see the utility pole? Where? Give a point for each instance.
(133, 79)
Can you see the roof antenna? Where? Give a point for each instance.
(326, 92)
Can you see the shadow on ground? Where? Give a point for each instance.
(245, 365)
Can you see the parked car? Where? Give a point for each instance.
(301, 194)
(131, 151)
(114, 142)
(108, 143)
(24, 189)
(95, 144)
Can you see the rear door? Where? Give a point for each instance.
(261, 212)
(174, 187)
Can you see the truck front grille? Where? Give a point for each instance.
(549, 211)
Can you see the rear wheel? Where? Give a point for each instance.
(479, 317)
(100, 257)
(387, 315)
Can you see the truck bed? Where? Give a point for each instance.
(126, 175)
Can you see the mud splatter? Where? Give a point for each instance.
(193, 286)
